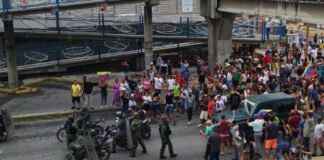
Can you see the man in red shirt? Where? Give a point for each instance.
(293, 122)
(267, 60)
(211, 107)
(224, 133)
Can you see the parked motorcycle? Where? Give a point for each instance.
(92, 124)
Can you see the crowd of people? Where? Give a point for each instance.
(177, 91)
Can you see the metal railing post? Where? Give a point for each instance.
(103, 23)
(263, 31)
(188, 27)
(99, 20)
(57, 16)
(280, 29)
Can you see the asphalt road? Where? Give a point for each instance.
(39, 143)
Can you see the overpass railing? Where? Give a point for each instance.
(244, 28)
(6, 5)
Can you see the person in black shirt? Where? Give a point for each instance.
(125, 100)
(235, 101)
(87, 92)
(169, 107)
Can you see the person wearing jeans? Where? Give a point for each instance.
(190, 104)
(257, 129)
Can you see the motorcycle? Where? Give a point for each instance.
(79, 151)
(92, 124)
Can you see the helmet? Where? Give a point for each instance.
(71, 118)
(93, 132)
(294, 152)
(119, 114)
(135, 114)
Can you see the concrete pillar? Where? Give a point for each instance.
(9, 44)
(148, 35)
(139, 62)
(220, 44)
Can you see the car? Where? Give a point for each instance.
(279, 103)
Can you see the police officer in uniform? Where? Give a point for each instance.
(121, 125)
(136, 129)
(71, 130)
(165, 133)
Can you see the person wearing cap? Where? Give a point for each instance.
(257, 126)
(136, 131)
(165, 133)
(132, 103)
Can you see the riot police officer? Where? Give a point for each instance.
(121, 125)
(71, 130)
(165, 133)
(136, 130)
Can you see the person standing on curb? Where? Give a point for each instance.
(104, 93)
(165, 133)
(75, 93)
(87, 92)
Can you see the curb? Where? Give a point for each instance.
(23, 90)
(49, 117)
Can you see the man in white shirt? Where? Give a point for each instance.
(319, 135)
(257, 126)
(171, 83)
(314, 54)
(219, 104)
(158, 83)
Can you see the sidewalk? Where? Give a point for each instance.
(53, 97)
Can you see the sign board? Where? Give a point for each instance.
(187, 6)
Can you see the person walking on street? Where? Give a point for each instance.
(206, 134)
(170, 107)
(190, 106)
(87, 92)
(234, 100)
(318, 134)
(214, 142)
(224, 126)
(75, 93)
(257, 132)
(308, 130)
(136, 130)
(104, 93)
(165, 133)
(271, 138)
(211, 107)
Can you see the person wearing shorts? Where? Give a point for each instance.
(271, 138)
(169, 110)
(225, 134)
(75, 93)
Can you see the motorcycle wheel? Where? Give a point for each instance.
(61, 135)
(99, 129)
(146, 134)
(105, 154)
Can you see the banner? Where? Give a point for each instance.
(187, 6)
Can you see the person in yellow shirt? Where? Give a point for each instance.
(75, 93)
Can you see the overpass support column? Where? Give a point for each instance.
(148, 35)
(9, 44)
(220, 44)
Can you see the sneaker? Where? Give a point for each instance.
(163, 157)
(144, 151)
(173, 155)
(199, 125)
(101, 106)
(188, 123)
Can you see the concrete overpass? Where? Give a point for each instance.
(8, 11)
(220, 15)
